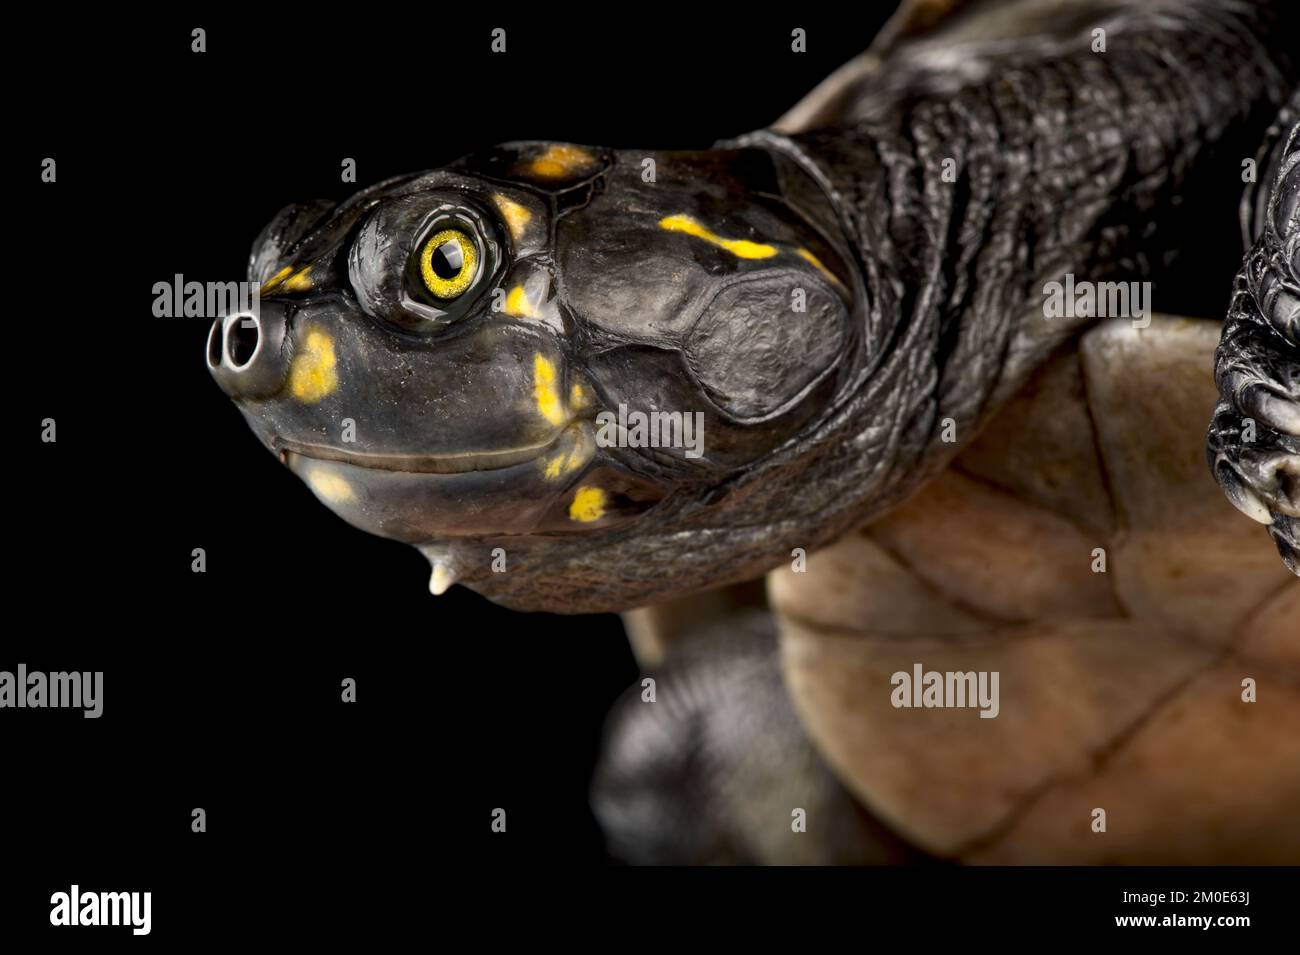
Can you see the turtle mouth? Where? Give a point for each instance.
(460, 463)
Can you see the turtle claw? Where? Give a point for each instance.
(1258, 469)
(1275, 477)
(1241, 497)
(1285, 532)
(1254, 437)
(1280, 414)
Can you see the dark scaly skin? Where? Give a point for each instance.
(1065, 162)
(949, 270)
(968, 258)
(1257, 365)
(710, 772)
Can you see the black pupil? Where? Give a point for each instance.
(447, 260)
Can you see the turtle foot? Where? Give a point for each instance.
(1254, 437)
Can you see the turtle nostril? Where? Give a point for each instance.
(214, 343)
(246, 353)
(242, 337)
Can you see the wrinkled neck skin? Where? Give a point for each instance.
(1061, 163)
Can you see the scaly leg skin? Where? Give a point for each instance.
(1254, 438)
(714, 769)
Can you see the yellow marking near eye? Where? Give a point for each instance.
(809, 257)
(741, 248)
(330, 486)
(301, 282)
(559, 160)
(312, 374)
(588, 505)
(577, 397)
(545, 390)
(515, 216)
(275, 280)
(517, 304)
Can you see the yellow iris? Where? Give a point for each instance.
(448, 263)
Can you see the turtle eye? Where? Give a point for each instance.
(449, 263)
(422, 265)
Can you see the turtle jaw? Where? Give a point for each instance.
(419, 506)
(421, 498)
(460, 463)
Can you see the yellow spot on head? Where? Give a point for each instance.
(311, 374)
(275, 280)
(517, 304)
(516, 216)
(559, 160)
(577, 458)
(299, 283)
(330, 486)
(567, 462)
(741, 248)
(577, 397)
(588, 505)
(809, 257)
(546, 391)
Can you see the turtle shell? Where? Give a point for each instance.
(1080, 549)
(920, 40)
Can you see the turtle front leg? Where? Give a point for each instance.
(1254, 437)
(706, 762)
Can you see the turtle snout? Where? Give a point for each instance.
(246, 352)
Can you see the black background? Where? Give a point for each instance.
(222, 689)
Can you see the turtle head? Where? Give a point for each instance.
(535, 362)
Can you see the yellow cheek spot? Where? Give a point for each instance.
(312, 373)
(577, 458)
(517, 304)
(741, 248)
(275, 280)
(301, 282)
(330, 486)
(559, 160)
(516, 216)
(568, 462)
(588, 505)
(577, 397)
(545, 390)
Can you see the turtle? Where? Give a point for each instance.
(898, 354)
